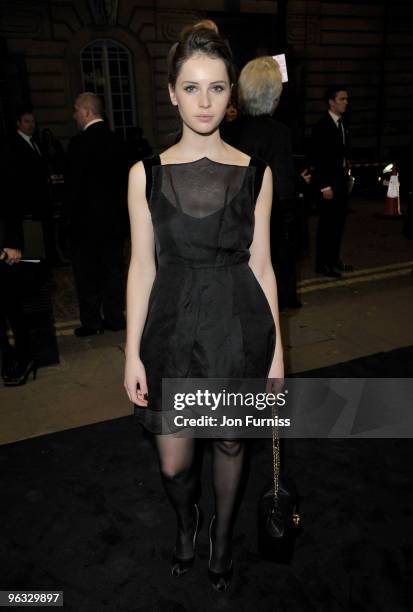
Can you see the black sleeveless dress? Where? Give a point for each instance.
(208, 316)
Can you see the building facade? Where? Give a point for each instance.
(53, 49)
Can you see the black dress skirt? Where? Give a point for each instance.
(208, 316)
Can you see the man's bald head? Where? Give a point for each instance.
(88, 106)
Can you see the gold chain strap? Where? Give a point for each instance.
(276, 464)
(275, 454)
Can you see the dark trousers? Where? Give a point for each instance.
(284, 247)
(286, 275)
(14, 282)
(98, 269)
(332, 216)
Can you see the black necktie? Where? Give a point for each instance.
(343, 138)
(341, 128)
(34, 145)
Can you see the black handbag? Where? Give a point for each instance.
(278, 517)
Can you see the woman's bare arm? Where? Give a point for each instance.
(141, 276)
(260, 263)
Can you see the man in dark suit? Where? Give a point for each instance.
(27, 169)
(19, 180)
(330, 146)
(97, 218)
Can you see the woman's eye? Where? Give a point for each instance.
(189, 88)
(218, 88)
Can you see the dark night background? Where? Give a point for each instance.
(46, 56)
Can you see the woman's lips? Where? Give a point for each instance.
(204, 118)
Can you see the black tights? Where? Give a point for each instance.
(181, 480)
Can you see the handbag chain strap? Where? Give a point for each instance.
(275, 454)
(276, 465)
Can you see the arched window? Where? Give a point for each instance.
(107, 71)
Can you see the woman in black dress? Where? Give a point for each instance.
(210, 309)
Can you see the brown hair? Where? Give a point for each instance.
(202, 37)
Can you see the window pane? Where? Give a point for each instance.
(116, 101)
(113, 67)
(125, 84)
(115, 84)
(117, 118)
(87, 66)
(127, 118)
(127, 102)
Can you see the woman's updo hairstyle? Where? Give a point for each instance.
(202, 37)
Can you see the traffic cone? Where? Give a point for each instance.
(392, 204)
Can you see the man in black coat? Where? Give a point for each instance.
(330, 146)
(19, 179)
(28, 169)
(257, 133)
(28, 175)
(97, 176)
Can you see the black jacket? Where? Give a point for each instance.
(28, 178)
(328, 152)
(270, 140)
(97, 184)
(25, 183)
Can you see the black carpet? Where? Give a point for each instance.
(84, 511)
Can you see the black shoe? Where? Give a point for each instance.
(328, 271)
(114, 326)
(343, 267)
(220, 581)
(182, 566)
(84, 330)
(19, 375)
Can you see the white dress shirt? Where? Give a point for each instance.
(91, 123)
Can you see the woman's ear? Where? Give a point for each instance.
(172, 95)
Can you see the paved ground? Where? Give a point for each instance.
(366, 312)
(83, 510)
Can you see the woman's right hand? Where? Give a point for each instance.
(13, 256)
(135, 381)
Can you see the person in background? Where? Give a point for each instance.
(330, 147)
(138, 147)
(97, 211)
(256, 132)
(29, 176)
(17, 360)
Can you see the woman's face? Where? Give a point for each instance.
(201, 93)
